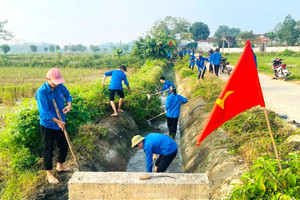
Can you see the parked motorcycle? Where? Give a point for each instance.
(280, 69)
(224, 66)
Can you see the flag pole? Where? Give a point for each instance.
(273, 141)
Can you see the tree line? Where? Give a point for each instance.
(178, 30)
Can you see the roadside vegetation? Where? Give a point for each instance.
(20, 142)
(249, 138)
(264, 62)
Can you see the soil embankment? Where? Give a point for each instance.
(111, 152)
(211, 158)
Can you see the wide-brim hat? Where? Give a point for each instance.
(136, 140)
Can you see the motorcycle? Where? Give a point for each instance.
(224, 66)
(280, 69)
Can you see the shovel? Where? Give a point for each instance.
(67, 136)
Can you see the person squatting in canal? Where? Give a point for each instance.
(51, 127)
(156, 144)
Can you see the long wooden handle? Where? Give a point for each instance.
(157, 116)
(66, 135)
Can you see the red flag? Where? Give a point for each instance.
(241, 92)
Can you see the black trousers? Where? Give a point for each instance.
(172, 125)
(49, 135)
(211, 68)
(217, 69)
(163, 161)
(201, 74)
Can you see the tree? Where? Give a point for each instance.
(33, 48)
(4, 34)
(118, 52)
(200, 31)
(46, 49)
(66, 48)
(57, 47)
(5, 48)
(51, 48)
(229, 33)
(172, 26)
(156, 46)
(94, 48)
(244, 36)
(288, 31)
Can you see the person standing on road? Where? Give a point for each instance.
(173, 104)
(211, 59)
(192, 61)
(117, 76)
(201, 64)
(167, 84)
(216, 61)
(156, 144)
(51, 127)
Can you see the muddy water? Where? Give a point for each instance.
(137, 162)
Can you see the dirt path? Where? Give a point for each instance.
(280, 96)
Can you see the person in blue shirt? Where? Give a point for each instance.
(173, 104)
(201, 64)
(184, 52)
(117, 76)
(156, 144)
(192, 61)
(211, 59)
(51, 127)
(167, 84)
(169, 56)
(216, 61)
(180, 54)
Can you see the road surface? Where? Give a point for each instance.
(280, 96)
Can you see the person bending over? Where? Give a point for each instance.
(156, 144)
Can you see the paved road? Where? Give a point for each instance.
(280, 96)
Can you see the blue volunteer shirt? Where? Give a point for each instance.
(159, 144)
(217, 58)
(173, 103)
(117, 76)
(166, 86)
(192, 60)
(44, 96)
(211, 58)
(200, 63)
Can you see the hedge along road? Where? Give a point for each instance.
(280, 96)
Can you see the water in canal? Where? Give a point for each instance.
(137, 162)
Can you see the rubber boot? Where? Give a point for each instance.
(173, 135)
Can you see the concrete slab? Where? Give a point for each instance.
(127, 185)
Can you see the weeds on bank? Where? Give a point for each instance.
(249, 137)
(20, 141)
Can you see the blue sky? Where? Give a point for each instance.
(98, 21)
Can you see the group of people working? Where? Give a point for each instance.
(52, 127)
(201, 61)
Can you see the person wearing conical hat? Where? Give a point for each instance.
(156, 144)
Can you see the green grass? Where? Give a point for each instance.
(264, 62)
(20, 141)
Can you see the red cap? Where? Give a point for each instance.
(55, 76)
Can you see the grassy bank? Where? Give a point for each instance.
(264, 62)
(248, 137)
(20, 142)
